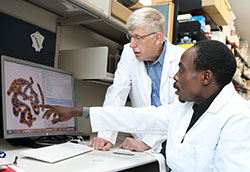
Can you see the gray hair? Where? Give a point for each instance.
(149, 18)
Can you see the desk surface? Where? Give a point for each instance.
(94, 161)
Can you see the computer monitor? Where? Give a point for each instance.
(26, 85)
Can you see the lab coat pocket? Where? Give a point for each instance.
(189, 158)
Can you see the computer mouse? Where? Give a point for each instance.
(123, 152)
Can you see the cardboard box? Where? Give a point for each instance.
(218, 19)
(211, 6)
(225, 10)
(119, 11)
(218, 10)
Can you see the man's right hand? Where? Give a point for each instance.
(60, 113)
(100, 144)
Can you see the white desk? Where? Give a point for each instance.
(95, 161)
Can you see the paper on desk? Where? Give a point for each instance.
(4, 162)
(12, 168)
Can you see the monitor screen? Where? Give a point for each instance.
(26, 85)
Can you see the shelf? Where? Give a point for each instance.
(245, 76)
(241, 84)
(198, 12)
(83, 13)
(237, 54)
(195, 8)
(192, 30)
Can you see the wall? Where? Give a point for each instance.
(26, 12)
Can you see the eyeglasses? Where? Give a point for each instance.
(138, 37)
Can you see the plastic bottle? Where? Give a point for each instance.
(185, 40)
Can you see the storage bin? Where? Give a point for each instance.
(87, 63)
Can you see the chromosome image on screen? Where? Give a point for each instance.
(25, 88)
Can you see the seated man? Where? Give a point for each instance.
(207, 131)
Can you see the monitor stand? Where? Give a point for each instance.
(37, 142)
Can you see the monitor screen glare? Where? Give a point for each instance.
(26, 85)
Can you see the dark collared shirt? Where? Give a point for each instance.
(199, 110)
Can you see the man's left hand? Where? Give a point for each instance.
(99, 143)
(134, 145)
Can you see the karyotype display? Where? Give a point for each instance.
(24, 96)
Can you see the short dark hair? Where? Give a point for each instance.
(217, 57)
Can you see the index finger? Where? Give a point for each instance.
(47, 114)
(91, 143)
(46, 106)
(54, 121)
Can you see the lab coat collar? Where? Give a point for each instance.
(145, 79)
(161, 58)
(170, 55)
(223, 97)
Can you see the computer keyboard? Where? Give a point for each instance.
(55, 153)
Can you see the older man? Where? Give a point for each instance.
(145, 73)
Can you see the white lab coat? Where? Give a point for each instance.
(218, 141)
(131, 78)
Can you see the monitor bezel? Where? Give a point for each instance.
(3, 117)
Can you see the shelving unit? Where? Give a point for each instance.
(241, 78)
(200, 11)
(83, 13)
(195, 8)
(192, 29)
